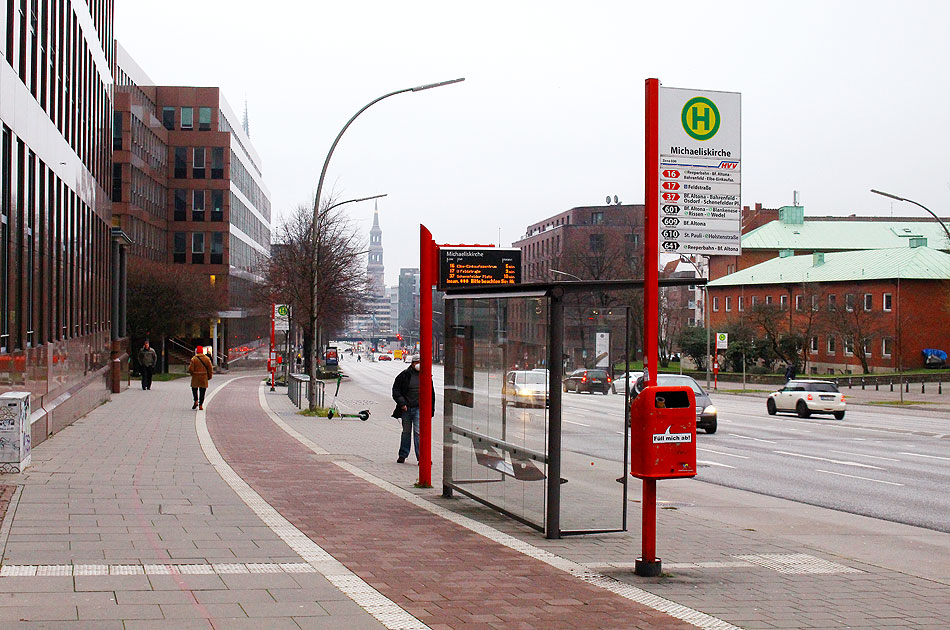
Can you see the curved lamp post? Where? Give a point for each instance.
(942, 224)
(564, 273)
(316, 212)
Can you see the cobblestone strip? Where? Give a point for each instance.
(364, 595)
(9, 496)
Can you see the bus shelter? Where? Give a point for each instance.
(532, 428)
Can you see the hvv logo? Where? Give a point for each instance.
(725, 164)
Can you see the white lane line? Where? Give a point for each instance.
(580, 424)
(709, 450)
(831, 461)
(828, 472)
(748, 437)
(627, 591)
(886, 459)
(386, 611)
(946, 459)
(710, 463)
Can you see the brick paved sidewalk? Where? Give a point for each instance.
(445, 575)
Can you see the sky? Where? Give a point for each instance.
(838, 97)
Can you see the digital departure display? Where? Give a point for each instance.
(478, 266)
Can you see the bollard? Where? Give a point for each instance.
(939, 387)
(923, 389)
(877, 385)
(892, 384)
(862, 382)
(849, 382)
(906, 387)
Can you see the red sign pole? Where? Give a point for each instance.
(271, 364)
(428, 275)
(651, 300)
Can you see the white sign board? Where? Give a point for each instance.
(700, 172)
(602, 348)
(722, 341)
(281, 317)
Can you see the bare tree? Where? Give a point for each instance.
(857, 326)
(334, 259)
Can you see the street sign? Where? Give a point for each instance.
(700, 172)
(281, 317)
(478, 266)
(722, 341)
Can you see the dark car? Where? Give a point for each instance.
(590, 381)
(706, 414)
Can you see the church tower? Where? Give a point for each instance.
(375, 271)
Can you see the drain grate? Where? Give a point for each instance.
(796, 563)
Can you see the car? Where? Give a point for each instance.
(384, 357)
(707, 418)
(620, 384)
(805, 397)
(590, 381)
(525, 388)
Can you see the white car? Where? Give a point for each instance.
(526, 388)
(619, 386)
(805, 397)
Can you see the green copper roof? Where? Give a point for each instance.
(908, 263)
(852, 234)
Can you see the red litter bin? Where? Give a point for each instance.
(663, 433)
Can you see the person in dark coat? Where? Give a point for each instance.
(201, 371)
(790, 372)
(406, 395)
(147, 360)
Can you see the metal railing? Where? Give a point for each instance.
(298, 386)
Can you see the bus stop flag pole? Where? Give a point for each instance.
(428, 255)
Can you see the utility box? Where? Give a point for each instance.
(14, 431)
(663, 433)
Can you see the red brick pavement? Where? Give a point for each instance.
(445, 575)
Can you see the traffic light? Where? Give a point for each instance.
(399, 337)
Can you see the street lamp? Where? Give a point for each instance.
(889, 195)
(564, 273)
(314, 340)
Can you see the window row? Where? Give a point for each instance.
(248, 187)
(867, 302)
(243, 219)
(886, 346)
(205, 205)
(199, 162)
(198, 244)
(186, 118)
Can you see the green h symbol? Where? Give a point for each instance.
(697, 118)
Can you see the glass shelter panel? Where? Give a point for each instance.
(496, 393)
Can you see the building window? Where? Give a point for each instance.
(768, 300)
(217, 248)
(198, 205)
(887, 346)
(179, 247)
(597, 242)
(868, 301)
(187, 118)
(117, 182)
(814, 303)
(783, 301)
(813, 346)
(799, 302)
(849, 347)
(849, 302)
(117, 131)
(752, 300)
(197, 248)
(730, 269)
(217, 163)
(832, 302)
(198, 166)
(716, 303)
(739, 305)
(168, 118)
(217, 205)
(887, 302)
(204, 119)
(181, 162)
(832, 348)
(728, 303)
(866, 345)
(181, 211)
(596, 218)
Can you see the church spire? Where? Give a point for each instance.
(375, 215)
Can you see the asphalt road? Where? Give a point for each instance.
(892, 464)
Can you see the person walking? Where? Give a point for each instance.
(147, 360)
(790, 372)
(406, 395)
(201, 371)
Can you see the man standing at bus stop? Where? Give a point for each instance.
(406, 395)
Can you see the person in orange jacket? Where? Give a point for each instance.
(201, 371)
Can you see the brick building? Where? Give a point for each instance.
(188, 189)
(882, 305)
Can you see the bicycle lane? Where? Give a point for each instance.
(443, 574)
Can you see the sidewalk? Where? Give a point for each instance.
(146, 514)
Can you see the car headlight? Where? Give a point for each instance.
(524, 392)
(709, 411)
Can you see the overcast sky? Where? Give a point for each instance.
(837, 98)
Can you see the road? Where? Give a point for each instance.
(892, 464)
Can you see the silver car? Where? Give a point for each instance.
(706, 414)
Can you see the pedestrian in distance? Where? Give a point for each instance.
(201, 371)
(790, 372)
(406, 395)
(147, 360)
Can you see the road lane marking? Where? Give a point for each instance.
(946, 459)
(709, 450)
(887, 459)
(711, 463)
(828, 472)
(832, 461)
(747, 437)
(580, 424)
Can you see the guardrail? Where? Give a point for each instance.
(888, 381)
(298, 387)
